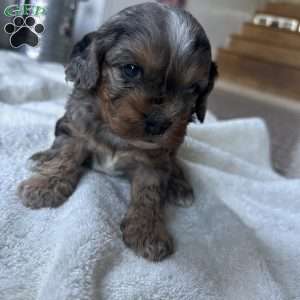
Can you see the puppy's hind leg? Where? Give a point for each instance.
(58, 172)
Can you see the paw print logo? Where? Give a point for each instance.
(23, 31)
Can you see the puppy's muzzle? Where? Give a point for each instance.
(156, 124)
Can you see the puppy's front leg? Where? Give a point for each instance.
(57, 174)
(143, 226)
(179, 191)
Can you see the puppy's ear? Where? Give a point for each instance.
(87, 56)
(83, 67)
(200, 108)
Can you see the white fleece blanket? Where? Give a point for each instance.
(239, 241)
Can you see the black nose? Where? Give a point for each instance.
(154, 127)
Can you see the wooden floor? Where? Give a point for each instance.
(264, 58)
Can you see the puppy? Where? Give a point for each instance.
(138, 81)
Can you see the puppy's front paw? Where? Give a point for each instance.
(41, 191)
(36, 161)
(180, 192)
(147, 237)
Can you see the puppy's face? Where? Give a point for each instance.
(151, 68)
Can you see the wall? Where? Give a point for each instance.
(113, 6)
(286, 1)
(218, 17)
(90, 15)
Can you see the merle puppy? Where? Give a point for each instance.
(138, 81)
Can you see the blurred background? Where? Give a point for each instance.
(256, 44)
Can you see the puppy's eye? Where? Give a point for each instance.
(132, 71)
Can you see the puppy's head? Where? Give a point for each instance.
(151, 69)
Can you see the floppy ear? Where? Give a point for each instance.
(83, 68)
(200, 108)
(87, 56)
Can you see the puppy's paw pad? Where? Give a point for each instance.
(157, 249)
(154, 244)
(38, 191)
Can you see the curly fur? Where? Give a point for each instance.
(104, 122)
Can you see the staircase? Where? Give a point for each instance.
(265, 58)
(282, 9)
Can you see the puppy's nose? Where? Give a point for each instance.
(154, 127)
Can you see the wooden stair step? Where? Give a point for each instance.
(283, 9)
(267, 12)
(267, 52)
(258, 74)
(280, 37)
